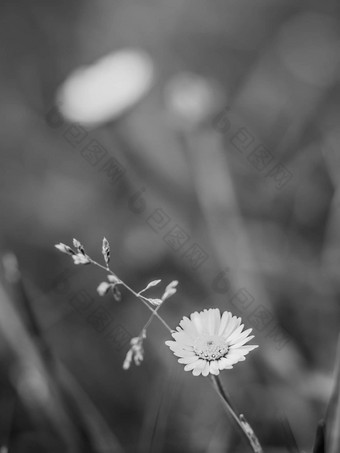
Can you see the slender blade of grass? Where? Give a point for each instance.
(333, 412)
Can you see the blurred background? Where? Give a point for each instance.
(201, 138)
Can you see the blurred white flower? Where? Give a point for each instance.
(64, 248)
(155, 301)
(103, 91)
(136, 352)
(170, 290)
(128, 360)
(103, 288)
(192, 98)
(208, 342)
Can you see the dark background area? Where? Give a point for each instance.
(225, 177)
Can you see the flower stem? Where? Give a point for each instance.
(239, 419)
(140, 297)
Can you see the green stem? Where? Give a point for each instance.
(141, 298)
(239, 420)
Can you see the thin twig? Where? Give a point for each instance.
(140, 297)
(151, 318)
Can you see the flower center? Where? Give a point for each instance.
(211, 347)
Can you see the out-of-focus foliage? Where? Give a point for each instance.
(234, 147)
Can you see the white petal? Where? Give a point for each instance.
(170, 343)
(213, 368)
(236, 333)
(205, 316)
(217, 321)
(224, 321)
(237, 344)
(205, 371)
(173, 345)
(180, 352)
(186, 360)
(239, 335)
(238, 359)
(220, 364)
(224, 363)
(246, 349)
(214, 320)
(209, 322)
(188, 326)
(236, 354)
(181, 347)
(199, 368)
(233, 324)
(183, 338)
(197, 320)
(197, 364)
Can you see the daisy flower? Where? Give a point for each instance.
(208, 342)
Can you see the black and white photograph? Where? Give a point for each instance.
(170, 226)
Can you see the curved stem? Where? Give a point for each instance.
(141, 298)
(239, 420)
